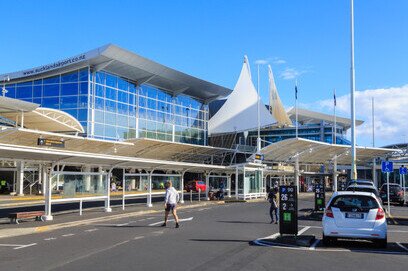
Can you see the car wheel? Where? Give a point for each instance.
(327, 241)
(381, 243)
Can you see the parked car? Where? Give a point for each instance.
(195, 186)
(354, 215)
(360, 182)
(396, 193)
(364, 188)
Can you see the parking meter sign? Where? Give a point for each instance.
(320, 195)
(288, 213)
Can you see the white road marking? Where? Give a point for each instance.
(303, 230)
(69, 234)
(148, 218)
(138, 237)
(402, 246)
(142, 219)
(273, 236)
(91, 230)
(161, 222)
(10, 245)
(313, 246)
(49, 239)
(24, 246)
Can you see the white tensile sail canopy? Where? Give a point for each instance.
(275, 104)
(240, 112)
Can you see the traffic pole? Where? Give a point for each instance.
(388, 193)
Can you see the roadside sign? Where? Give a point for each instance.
(51, 142)
(320, 199)
(288, 210)
(403, 170)
(387, 166)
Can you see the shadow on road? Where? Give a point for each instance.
(242, 222)
(222, 240)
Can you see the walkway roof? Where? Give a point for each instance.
(129, 65)
(315, 152)
(307, 116)
(137, 148)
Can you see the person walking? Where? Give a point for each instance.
(170, 203)
(272, 198)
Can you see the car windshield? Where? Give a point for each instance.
(363, 189)
(353, 203)
(393, 188)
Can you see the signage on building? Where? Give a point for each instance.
(403, 170)
(51, 142)
(387, 166)
(259, 157)
(320, 195)
(288, 209)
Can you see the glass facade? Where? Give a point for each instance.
(114, 108)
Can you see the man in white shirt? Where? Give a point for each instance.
(170, 203)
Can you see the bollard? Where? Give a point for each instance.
(80, 207)
(199, 194)
(191, 195)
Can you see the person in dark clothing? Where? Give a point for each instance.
(272, 198)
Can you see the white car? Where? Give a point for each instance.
(354, 215)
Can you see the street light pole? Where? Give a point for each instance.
(258, 141)
(353, 101)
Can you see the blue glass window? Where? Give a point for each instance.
(38, 82)
(83, 75)
(37, 101)
(51, 90)
(69, 89)
(99, 129)
(111, 93)
(122, 97)
(122, 108)
(111, 80)
(11, 91)
(110, 131)
(37, 91)
(100, 78)
(24, 92)
(110, 105)
(110, 118)
(99, 116)
(69, 77)
(69, 102)
(51, 102)
(83, 101)
(122, 84)
(83, 88)
(99, 91)
(51, 80)
(25, 84)
(122, 120)
(99, 103)
(82, 114)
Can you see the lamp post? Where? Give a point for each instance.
(353, 100)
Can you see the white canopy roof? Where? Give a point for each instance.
(315, 152)
(240, 112)
(275, 103)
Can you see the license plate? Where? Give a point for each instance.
(355, 215)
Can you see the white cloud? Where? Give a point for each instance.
(279, 61)
(261, 62)
(290, 73)
(390, 114)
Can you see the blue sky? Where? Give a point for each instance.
(308, 40)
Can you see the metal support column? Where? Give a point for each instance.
(229, 185)
(48, 189)
(375, 181)
(20, 178)
(149, 188)
(207, 185)
(335, 174)
(236, 182)
(108, 209)
(297, 174)
(182, 187)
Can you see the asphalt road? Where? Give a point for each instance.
(217, 237)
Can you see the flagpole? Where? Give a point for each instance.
(353, 101)
(334, 125)
(296, 110)
(258, 141)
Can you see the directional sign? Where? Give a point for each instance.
(387, 166)
(403, 170)
(288, 210)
